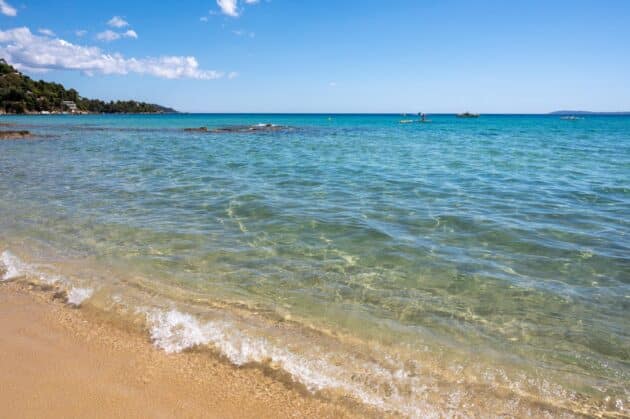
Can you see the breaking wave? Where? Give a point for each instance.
(414, 386)
(13, 267)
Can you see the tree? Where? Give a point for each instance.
(19, 94)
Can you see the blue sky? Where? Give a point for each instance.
(329, 56)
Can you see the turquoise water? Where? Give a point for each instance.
(458, 265)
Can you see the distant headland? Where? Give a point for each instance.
(19, 94)
(588, 113)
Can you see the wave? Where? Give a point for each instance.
(12, 266)
(15, 268)
(174, 331)
(418, 384)
(317, 368)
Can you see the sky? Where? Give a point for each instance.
(434, 56)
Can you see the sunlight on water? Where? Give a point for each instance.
(463, 264)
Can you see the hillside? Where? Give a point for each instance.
(20, 94)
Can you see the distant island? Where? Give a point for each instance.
(588, 113)
(19, 94)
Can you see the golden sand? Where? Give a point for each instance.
(66, 363)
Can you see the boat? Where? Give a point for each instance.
(468, 115)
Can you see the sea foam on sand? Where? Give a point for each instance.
(174, 331)
(14, 268)
(76, 296)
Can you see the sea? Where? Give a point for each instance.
(457, 267)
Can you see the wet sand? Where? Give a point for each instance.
(62, 362)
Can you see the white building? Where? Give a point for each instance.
(72, 107)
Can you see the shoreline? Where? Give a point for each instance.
(55, 348)
(64, 362)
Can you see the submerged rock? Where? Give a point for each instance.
(250, 128)
(239, 128)
(200, 129)
(14, 135)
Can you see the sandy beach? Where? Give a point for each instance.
(62, 362)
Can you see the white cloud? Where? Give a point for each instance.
(130, 34)
(203, 18)
(232, 75)
(228, 7)
(26, 51)
(46, 32)
(241, 32)
(107, 36)
(80, 33)
(333, 84)
(110, 35)
(117, 22)
(6, 9)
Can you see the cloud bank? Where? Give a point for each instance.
(31, 52)
(46, 32)
(6, 9)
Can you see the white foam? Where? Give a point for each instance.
(174, 331)
(48, 278)
(13, 266)
(76, 296)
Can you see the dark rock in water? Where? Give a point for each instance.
(239, 129)
(14, 135)
(251, 128)
(268, 127)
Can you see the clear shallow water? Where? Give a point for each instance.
(460, 265)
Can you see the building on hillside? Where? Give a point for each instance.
(72, 107)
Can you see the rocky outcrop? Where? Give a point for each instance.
(240, 128)
(200, 129)
(14, 135)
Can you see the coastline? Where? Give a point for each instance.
(64, 362)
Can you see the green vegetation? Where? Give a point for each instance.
(21, 94)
